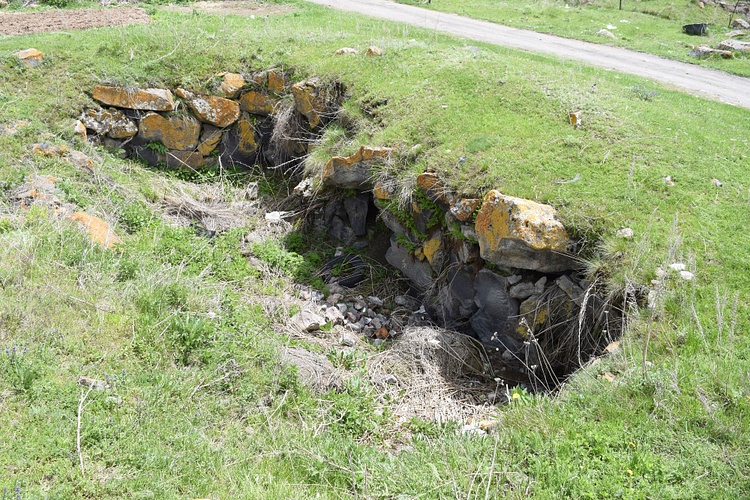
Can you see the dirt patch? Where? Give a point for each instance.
(27, 23)
(233, 7)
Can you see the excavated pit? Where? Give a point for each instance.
(499, 269)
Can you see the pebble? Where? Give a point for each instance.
(390, 379)
(351, 317)
(334, 298)
(359, 305)
(376, 323)
(400, 300)
(342, 307)
(348, 341)
(626, 233)
(375, 301)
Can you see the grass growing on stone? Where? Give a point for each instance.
(653, 26)
(180, 327)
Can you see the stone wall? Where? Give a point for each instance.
(496, 267)
(234, 127)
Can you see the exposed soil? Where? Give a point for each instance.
(27, 23)
(236, 8)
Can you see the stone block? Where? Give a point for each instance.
(258, 103)
(134, 98)
(353, 172)
(174, 132)
(518, 233)
(211, 109)
(419, 273)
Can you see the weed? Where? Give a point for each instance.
(19, 370)
(644, 93)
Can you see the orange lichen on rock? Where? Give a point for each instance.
(514, 232)
(211, 109)
(257, 103)
(464, 208)
(97, 229)
(135, 98)
(353, 172)
(175, 132)
(231, 84)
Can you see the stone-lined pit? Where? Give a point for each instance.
(498, 268)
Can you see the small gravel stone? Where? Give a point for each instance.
(400, 300)
(342, 307)
(348, 341)
(375, 301)
(390, 379)
(359, 305)
(334, 298)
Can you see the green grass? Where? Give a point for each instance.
(199, 404)
(652, 26)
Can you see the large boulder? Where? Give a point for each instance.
(517, 233)
(135, 98)
(211, 109)
(174, 132)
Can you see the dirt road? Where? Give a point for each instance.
(707, 83)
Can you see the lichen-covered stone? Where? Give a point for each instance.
(211, 109)
(434, 251)
(464, 208)
(190, 160)
(353, 172)
(174, 132)
(248, 141)
(433, 187)
(98, 120)
(97, 229)
(80, 130)
(314, 99)
(277, 81)
(135, 98)
(257, 103)
(111, 122)
(121, 127)
(30, 57)
(44, 149)
(231, 84)
(517, 233)
(209, 139)
(383, 190)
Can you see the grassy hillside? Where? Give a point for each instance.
(653, 26)
(187, 331)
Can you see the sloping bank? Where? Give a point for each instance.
(496, 267)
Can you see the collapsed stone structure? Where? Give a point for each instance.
(500, 268)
